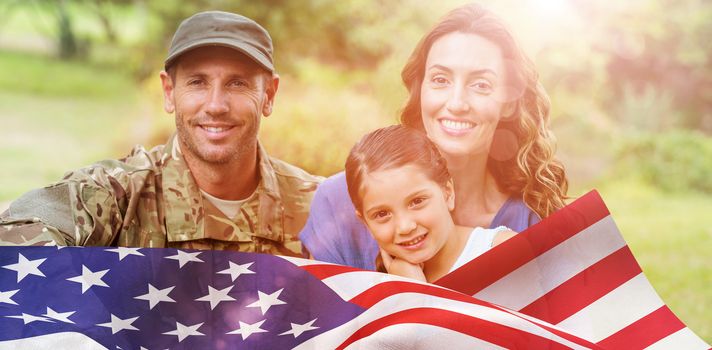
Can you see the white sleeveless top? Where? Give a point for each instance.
(480, 241)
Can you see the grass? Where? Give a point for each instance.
(59, 116)
(36, 75)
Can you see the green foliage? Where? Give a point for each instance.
(673, 161)
(649, 109)
(315, 128)
(668, 55)
(35, 74)
(68, 47)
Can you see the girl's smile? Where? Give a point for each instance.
(414, 243)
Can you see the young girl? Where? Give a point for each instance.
(401, 189)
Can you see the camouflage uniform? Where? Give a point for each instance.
(149, 199)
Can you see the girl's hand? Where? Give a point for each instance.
(403, 268)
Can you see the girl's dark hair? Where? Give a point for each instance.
(392, 147)
(523, 146)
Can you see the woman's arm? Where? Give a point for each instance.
(333, 233)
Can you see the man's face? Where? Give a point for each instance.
(218, 96)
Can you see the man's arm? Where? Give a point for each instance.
(39, 217)
(82, 209)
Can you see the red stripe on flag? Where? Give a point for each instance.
(646, 331)
(491, 332)
(524, 247)
(322, 271)
(383, 290)
(586, 287)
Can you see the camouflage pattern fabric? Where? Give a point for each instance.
(149, 199)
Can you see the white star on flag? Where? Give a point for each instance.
(298, 329)
(155, 296)
(26, 318)
(26, 267)
(59, 316)
(235, 270)
(216, 296)
(185, 331)
(125, 251)
(5, 297)
(267, 300)
(89, 278)
(118, 324)
(247, 329)
(184, 258)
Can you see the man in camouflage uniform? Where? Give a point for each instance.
(212, 186)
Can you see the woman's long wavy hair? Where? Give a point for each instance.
(522, 153)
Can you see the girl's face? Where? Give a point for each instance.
(407, 213)
(463, 93)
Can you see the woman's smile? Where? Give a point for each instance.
(455, 127)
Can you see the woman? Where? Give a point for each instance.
(477, 97)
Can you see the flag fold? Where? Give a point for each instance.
(569, 282)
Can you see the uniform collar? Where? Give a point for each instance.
(268, 179)
(183, 203)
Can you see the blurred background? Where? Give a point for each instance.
(630, 83)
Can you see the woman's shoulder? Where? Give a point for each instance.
(515, 214)
(332, 204)
(334, 193)
(333, 233)
(334, 185)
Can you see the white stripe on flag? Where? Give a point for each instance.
(405, 301)
(421, 336)
(682, 339)
(303, 262)
(55, 341)
(614, 311)
(539, 276)
(350, 284)
(542, 323)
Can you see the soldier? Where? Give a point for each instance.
(211, 186)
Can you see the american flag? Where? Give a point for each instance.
(149, 298)
(575, 270)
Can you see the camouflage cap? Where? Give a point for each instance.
(222, 29)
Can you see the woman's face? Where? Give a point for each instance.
(463, 94)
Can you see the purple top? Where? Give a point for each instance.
(334, 234)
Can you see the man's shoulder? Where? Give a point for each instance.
(142, 158)
(138, 160)
(290, 172)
